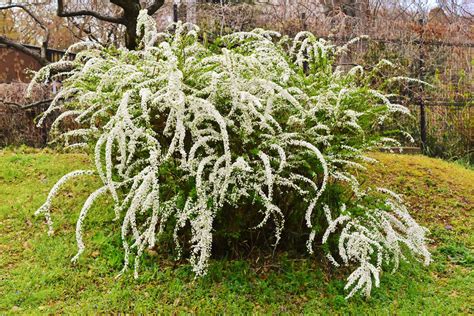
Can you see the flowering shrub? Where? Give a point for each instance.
(183, 133)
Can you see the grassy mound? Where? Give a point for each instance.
(36, 274)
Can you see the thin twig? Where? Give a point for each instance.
(35, 104)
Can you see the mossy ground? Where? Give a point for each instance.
(36, 275)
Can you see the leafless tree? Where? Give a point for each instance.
(122, 13)
(128, 17)
(41, 56)
(462, 8)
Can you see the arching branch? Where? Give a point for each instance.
(28, 11)
(41, 57)
(42, 60)
(62, 13)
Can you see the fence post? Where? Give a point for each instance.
(421, 102)
(303, 20)
(175, 12)
(305, 63)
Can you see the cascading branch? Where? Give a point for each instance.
(181, 132)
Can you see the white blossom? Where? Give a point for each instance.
(182, 132)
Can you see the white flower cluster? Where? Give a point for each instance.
(46, 207)
(183, 131)
(374, 239)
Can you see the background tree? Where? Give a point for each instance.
(101, 21)
(39, 22)
(127, 16)
(7, 25)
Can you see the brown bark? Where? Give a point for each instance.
(128, 18)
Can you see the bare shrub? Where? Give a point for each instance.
(16, 124)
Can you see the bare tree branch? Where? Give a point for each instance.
(28, 106)
(23, 7)
(35, 104)
(155, 6)
(62, 13)
(128, 18)
(83, 28)
(45, 41)
(42, 60)
(456, 9)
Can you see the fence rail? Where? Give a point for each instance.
(444, 124)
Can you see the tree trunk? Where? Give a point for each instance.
(131, 38)
(130, 17)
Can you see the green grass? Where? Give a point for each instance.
(37, 277)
